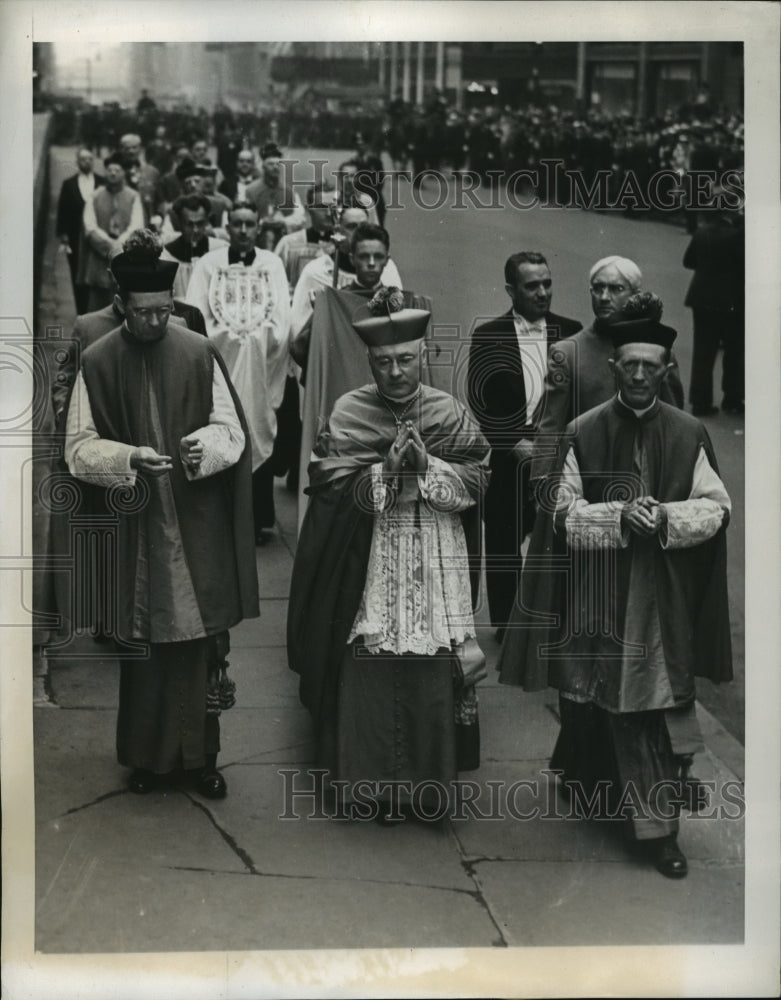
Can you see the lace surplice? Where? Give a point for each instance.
(417, 595)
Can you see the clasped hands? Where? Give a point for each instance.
(644, 516)
(146, 459)
(406, 452)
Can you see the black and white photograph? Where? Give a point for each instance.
(390, 545)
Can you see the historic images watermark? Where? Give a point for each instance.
(550, 185)
(307, 794)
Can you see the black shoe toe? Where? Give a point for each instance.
(212, 785)
(140, 781)
(669, 860)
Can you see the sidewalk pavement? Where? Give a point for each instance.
(171, 871)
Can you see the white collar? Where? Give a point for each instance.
(527, 326)
(637, 413)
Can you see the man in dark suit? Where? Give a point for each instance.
(70, 211)
(507, 364)
(716, 297)
(235, 184)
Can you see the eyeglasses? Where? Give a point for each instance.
(147, 314)
(598, 287)
(634, 367)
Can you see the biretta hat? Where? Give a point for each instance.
(385, 321)
(135, 272)
(642, 331)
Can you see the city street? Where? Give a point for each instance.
(171, 871)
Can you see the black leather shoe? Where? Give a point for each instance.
(212, 785)
(140, 781)
(668, 858)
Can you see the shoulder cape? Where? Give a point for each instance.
(694, 578)
(332, 555)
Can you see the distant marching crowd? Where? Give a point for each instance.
(434, 136)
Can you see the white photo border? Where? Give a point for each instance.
(749, 969)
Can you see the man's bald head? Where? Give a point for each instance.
(84, 160)
(130, 143)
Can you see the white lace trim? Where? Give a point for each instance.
(417, 596)
(691, 522)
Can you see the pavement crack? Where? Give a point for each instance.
(290, 548)
(478, 893)
(543, 861)
(97, 801)
(253, 758)
(240, 853)
(325, 878)
(725, 863)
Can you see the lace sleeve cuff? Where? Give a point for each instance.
(691, 522)
(222, 438)
(442, 488)
(88, 456)
(595, 526)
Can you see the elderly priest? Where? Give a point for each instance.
(638, 586)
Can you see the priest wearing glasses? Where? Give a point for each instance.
(381, 596)
(154, 421)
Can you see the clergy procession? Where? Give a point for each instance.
(455, 525)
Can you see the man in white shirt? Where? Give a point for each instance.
(74, 194)
(142, 176)
(112, 213)
(243, 294)
(507, 365)
(234, 186)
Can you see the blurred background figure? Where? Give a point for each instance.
(74, 194)
(717, 299)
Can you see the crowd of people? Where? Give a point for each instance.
(435, 135)
(230, 333)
